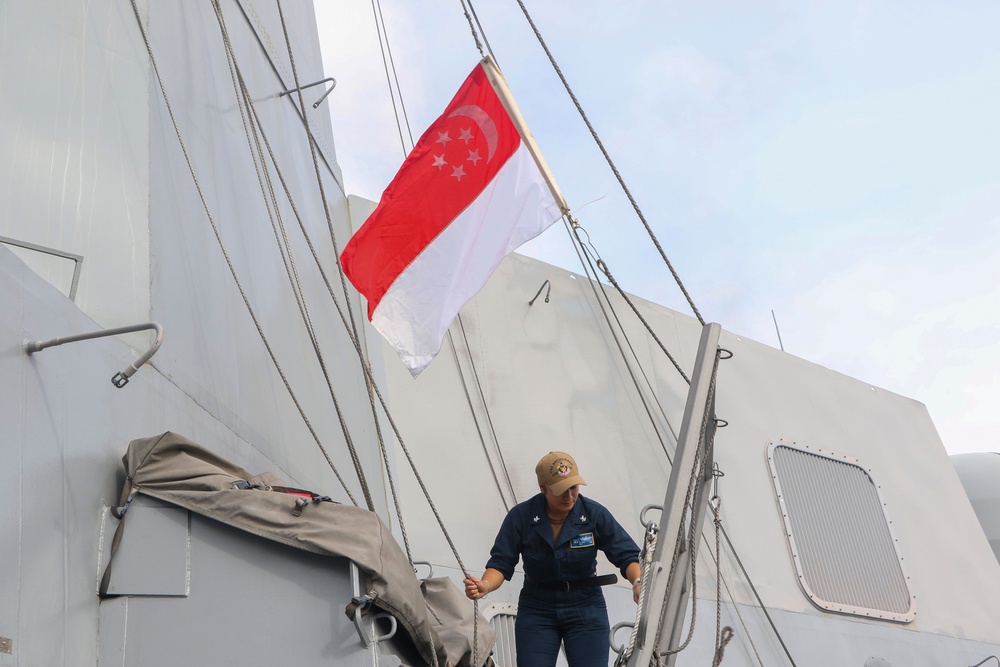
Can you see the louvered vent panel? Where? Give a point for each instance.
(841, 541)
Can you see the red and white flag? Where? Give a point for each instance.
(472, 190)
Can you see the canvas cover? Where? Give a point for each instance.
(434, 612)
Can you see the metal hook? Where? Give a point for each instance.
(310, 85)
(532, 302)
(716, 475)
(611, 637)
(642, 514)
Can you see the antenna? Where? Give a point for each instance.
(782, 345)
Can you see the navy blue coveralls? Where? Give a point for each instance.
(546, 616)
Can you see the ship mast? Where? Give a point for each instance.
(665, 598)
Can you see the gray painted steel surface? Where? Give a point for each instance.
(91, 167)
(251, 601)
(980, 475)
(582, 400)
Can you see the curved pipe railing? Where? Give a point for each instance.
(119, 379)
(316, 104)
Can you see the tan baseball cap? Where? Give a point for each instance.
(558, 471)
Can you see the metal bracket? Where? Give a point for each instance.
(532, 302)
(310, 85)
(76, 259)
(614, 630)
(119, 379)
(430, 568)
(642, 515)
(368, 634)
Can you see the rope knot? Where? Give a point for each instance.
(720, 650)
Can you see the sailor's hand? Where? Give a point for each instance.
(635, 591)
(476, 588)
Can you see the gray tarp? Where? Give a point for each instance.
(434, 612)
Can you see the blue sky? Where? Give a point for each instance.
(836, 162)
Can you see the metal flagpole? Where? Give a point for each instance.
(507, 99)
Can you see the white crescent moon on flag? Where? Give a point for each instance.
(485, 123)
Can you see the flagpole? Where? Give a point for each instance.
(507, 99)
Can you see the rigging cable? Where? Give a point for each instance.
(692, 499)
(366, 369)
(645, 569)
(354, 336)
(695, 488)
(607, 272)
(475, 35)
(614, 282)
(607, 157)
(475, 16)
(477, 380)
(475, 420)
(245, 298)
(243, 96)
(722, 635)
(232, 270)
(617, 287)
(352, 331)
(746, 630)
(717, 556)
(757, 596)
(388, 64)
(595, 257)
(286, 90)
(489, 417)
(575, 225)
(720, 529)
(458, 364)
(719, 643)
(589, 271)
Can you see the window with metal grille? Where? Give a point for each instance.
(841, 542)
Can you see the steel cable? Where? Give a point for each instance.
(232, 270)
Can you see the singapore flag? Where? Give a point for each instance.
(473, 189)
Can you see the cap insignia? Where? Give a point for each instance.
(560, 467)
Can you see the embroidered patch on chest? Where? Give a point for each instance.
(582, 541)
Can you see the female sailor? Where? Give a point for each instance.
(558, 534)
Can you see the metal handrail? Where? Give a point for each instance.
(310, 85)
(76, 259)
(119, 379)
(430, 568)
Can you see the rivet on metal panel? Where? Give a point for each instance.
(6, 645)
